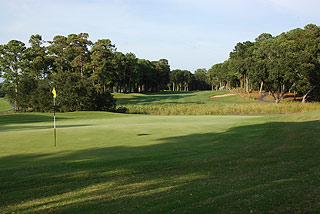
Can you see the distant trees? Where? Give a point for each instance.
(12, 62)
(200, 79)
(289, 62)
(84, 73)
(180, 80)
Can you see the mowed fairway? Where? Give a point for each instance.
(118, 163)
(179, 97)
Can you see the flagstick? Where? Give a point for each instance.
(54, 122)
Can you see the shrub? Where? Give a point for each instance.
(121, 109)
(74, 93)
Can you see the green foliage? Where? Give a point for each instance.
(287, 62)
(76, 93)
(90, 71)
(180, 80)
(200, 76)
(2, 90)
(103, 101)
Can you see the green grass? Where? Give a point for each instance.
(168, 97)
(201, 103)
(115, 163)
(4, 105)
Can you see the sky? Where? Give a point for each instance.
(191, 34)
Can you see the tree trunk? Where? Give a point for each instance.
(304, 98)
(261, 87)
(247, 85)
(15, 102)
(242, 82)
(278, 96)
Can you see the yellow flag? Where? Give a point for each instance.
(54, 92)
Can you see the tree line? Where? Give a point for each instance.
(84, 73)
(289, 62)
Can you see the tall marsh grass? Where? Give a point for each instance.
(194, 109)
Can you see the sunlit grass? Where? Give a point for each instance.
(184, 158)
(115, 163)
(171, 98)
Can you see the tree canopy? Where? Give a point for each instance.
(85, 73)
(289, 62)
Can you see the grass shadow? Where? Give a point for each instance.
(271, 167)
(156, 98)
(18, 118)
(30, 127)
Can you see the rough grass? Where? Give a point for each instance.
(114, 163)
(4, 105)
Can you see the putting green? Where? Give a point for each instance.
(26, 134)
(116, 163)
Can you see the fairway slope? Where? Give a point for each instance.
(135, 164)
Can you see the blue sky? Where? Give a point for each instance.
(191, 34)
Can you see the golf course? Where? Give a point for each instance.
(200, 159)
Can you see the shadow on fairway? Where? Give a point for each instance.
(159, 98)
(31, 127)
(271, 167)
(6, 119)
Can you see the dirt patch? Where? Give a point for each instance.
(222, 95)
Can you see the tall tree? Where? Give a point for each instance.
(38, 62)
(103, 71)
(200, 76)
(77, 50)
(241, 61)
(12, 61)
(162, 72)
